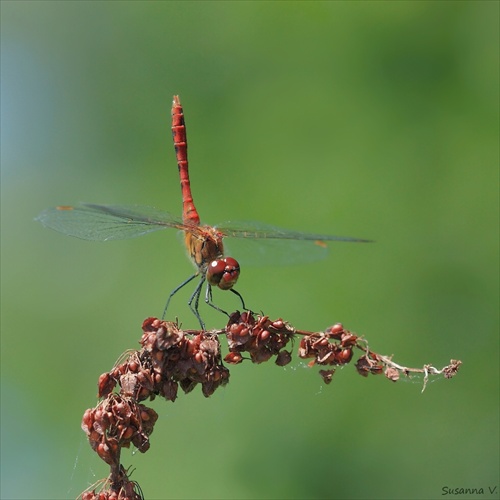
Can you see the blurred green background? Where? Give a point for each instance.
(368, 119)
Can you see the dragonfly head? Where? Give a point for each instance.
(223, 273)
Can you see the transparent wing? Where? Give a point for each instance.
(252, 229)
(270, 252)
(107, 222)
(257, 243)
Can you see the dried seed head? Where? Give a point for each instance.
(283, 358)
(335, 331)
(327, 375)
(392, 374)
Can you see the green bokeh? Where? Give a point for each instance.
(369, 119)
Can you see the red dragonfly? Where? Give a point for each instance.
(204, 243)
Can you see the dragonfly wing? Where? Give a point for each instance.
(273, 252)
(106, 222)
(251, 229)
(263, 244)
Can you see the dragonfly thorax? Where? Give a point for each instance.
(204, 245)
(206, 250)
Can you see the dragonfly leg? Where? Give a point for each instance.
(175, 291)
(245, 308)
(196, 295)
(208, 300)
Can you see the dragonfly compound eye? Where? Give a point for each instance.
(223, 273)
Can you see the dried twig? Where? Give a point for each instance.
(171, 358)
